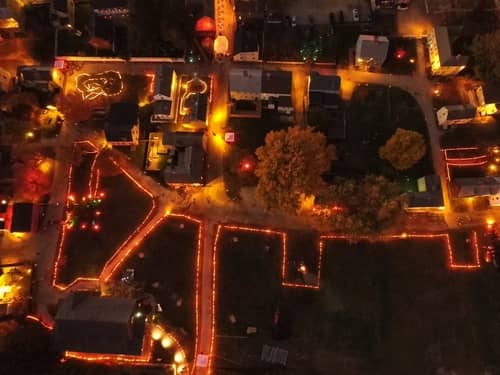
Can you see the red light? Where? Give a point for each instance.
(96, 227)
(400, 53)
(101, 195)
(98, 213)
(83, 226)
(71, 197)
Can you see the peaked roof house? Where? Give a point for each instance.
(453, 115)
(485, 97)
(476, 186)
(429, 195)
(245, 84)
(122, 124)
(277, 90)
(371, 51)
(88, 323)
(324, 91)
(165, 84)
(443, 62)
(186, 161)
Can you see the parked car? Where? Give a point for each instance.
(294, 21)
(355, 15)
(402, 6)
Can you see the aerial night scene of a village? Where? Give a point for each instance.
(260, 187)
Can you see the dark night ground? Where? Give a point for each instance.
(383, 308)
(170, 259)
(86, 251)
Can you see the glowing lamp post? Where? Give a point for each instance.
(221, 45)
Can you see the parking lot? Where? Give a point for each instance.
(319, 10)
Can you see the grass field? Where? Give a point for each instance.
(373, 115)
(165, 266)
(383, 308)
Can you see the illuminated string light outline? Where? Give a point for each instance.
(46, 325)
(444, 236)
(93, 88)
(476, 263)
(62, 239)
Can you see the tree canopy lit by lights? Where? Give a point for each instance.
(33, 177)
(404, 149)
(366, 206)
(486, 53)
(290, 165)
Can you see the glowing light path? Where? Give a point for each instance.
(450, 253)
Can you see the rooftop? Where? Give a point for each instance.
(459, 111)
(323, 83)
(87, 322)
(163, 80)
(122, 116)
(446, 57)
(372, 47)
(245, 80)
(188, 161)
(22, 217)
(277, 82)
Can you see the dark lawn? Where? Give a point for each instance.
(383, 308)
(248, 280)
(170, 260)
(463, 245)
(302, 250)
(85, 251)
(373, 115)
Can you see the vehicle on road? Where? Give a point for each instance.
(355, 15)
(294, 21)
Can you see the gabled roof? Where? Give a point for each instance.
(425, 199)
(22, 217)
(457, 112)
(163, 80)
(446, 58)
(372, 47)
(321, 83)
(476, 186)
(245, 80)
(86, 322)
(161, 110)
(189, 158)
(35, 73)
(277, 82)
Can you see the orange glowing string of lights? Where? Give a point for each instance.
(34, 318)
(214, 288)
(444, 236)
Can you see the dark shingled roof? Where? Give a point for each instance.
(163, 80)
(189, 158)
(22, 217)
(121, 118)
(86, 322)
(323, 83)
(425, 199)
(277, 82)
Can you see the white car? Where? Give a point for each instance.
(402, 6)
(355, 15)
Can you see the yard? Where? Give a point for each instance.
(101, 216)
(164, 265)
(386, 307)
(373, 115)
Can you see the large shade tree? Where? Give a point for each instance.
(363, 207)
(404, 149)
(486, 53)
(290, 165)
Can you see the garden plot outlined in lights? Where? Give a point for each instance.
(95, 85)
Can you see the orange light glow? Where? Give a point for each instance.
(34, 318)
